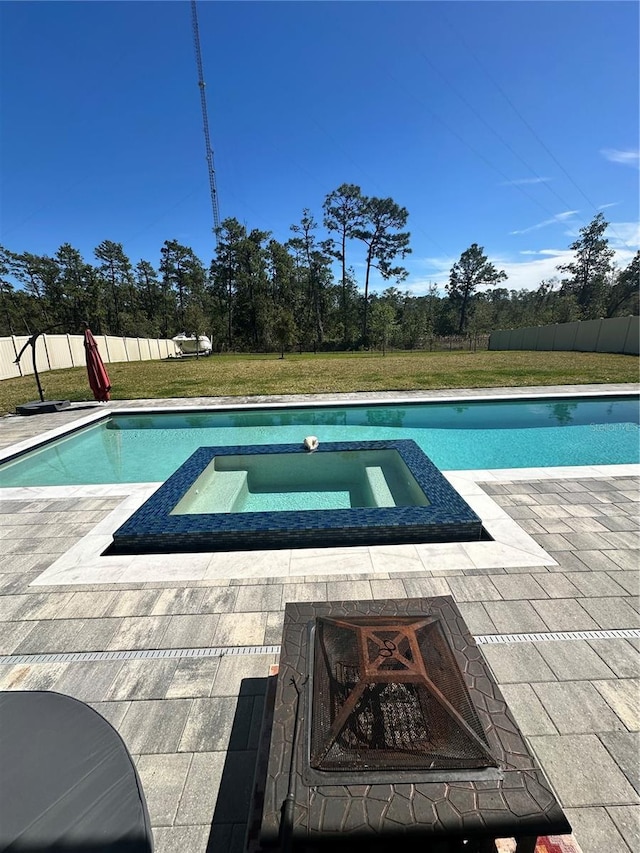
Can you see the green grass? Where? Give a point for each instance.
(241, 375)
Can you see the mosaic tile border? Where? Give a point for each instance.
(153, 529)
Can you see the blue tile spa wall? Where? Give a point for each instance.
(445, 517)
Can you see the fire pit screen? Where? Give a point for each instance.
(387, 728)
(388, 694)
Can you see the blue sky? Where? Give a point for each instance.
(509, 124)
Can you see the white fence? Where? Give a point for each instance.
(54, 352)
(615, 334)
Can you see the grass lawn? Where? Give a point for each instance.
(240, 375)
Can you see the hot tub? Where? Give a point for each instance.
(281, 496)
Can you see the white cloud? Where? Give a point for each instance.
(605, 206)
(559, 217)
(423, 273)
(625, 158)
(522, 181)
(420, 286)
(540, 264)
(621, 233)
(439, 264)
(527, 275)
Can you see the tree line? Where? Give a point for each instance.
(261, 295)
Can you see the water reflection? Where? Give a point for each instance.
(514, 414)
(386, 417)
(562, 413)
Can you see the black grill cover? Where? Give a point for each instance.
(67, 781)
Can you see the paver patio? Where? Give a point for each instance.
(192, 723)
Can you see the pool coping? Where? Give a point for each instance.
(186, 404)
(512, 546)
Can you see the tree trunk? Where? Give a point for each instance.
(344, 288)
(366, 300)
(463, 310)
(229, 295)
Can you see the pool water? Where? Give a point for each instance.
(463, 435)
(300, 481)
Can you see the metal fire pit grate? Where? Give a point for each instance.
(389, 695)
(401, 737)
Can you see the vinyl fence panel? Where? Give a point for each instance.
(546, 336)
(54, 352)
(499, 339)
(114, 347)
(132, 349)
(517, 339)
(565, 336)
(613, 334)
(587, 336)
(530, 337)
(632, 343)
(26, 360)
(78, 355)
(58, 353)
(145, 349)
(8, 353)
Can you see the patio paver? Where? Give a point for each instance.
(582, 771)
(192, 723)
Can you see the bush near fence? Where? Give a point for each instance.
(614, 334)
(55, 352)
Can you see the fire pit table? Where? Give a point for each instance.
(388, 728)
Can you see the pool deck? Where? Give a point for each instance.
(185, 642)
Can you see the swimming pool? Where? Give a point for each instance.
(522, 433)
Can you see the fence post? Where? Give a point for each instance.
(595, 348)
(575, 337)
(15, 352)
(631, 338)
(46, 351)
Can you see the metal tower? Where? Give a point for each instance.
(205, 122)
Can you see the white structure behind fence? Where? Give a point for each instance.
(54, 352)
(615, 334)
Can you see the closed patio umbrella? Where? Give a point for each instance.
(98, 376)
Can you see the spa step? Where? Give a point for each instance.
(230, 487)
(220, 494)
(298, 500)
(378, 484)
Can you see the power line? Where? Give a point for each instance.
(461, 139)
(372, 180)
(526, 123)
(493, 130)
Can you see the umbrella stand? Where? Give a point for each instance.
(42, 406)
